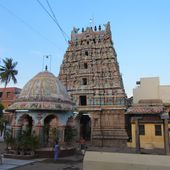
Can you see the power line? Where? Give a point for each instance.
(27, 24)
(53, 17)
(64, 34)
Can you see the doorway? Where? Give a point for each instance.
(85, 127)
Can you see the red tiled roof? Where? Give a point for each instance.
(145, 109)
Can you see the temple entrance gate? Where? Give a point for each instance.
(85, 126)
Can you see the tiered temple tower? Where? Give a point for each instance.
(90, 73)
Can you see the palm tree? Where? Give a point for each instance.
(8, 71)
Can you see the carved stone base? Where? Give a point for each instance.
(116, 143)
(110, 129)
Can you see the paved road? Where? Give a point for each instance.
(52, 166)
(74, 162)
(68, 163)
(2, 147)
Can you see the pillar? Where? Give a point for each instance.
(137, 135)
(62, 129)
(16, 129)
(166, 136)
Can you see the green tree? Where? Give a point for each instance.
(1, 109)
(8, 71)
(55, 135)
(27, 141)
(9, 140)
(70, 133)
(2, 124)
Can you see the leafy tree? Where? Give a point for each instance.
(8, 71)
(70, 133)
(9, 140)
(2, 125)
(27, 141)
(1, 109)
(55, 135)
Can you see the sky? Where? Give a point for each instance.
(140, 33)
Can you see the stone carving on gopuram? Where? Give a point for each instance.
(90, 73)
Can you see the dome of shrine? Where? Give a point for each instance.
(43, 92)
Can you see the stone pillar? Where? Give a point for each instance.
(166, 136)
(137, 135)
(77, 124)
(16, 131)
(38, 129)
(62, 131)
(92, 127)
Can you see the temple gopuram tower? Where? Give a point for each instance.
(90, 73)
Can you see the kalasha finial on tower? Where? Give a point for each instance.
(107, 26)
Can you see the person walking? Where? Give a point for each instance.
(56, 151)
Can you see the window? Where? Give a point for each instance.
(83, 100)
(86, 53)
(84, 81)
(141, 129)
(85, 66)
(1, 93)
(8, 94)
(158, 131)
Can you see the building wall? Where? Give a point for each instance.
(150, 88)
(149, 140)
(165, 93)
(8, 95)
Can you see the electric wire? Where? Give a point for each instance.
(27, 24)
(53, 18)
(64, 34)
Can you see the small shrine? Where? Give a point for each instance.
(44, 107)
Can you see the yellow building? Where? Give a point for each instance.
(149, 115)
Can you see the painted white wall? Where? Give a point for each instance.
(165, 93)
(150, 88)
